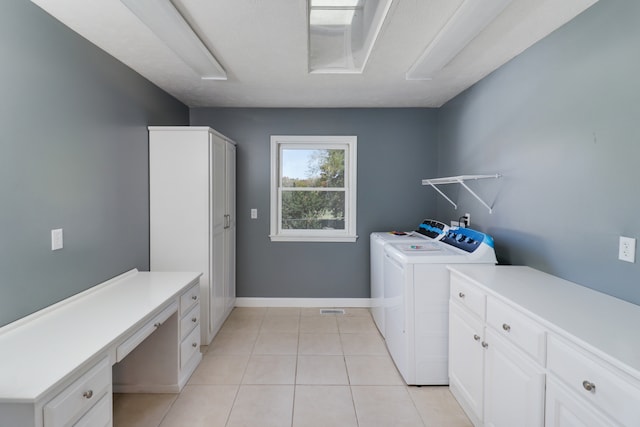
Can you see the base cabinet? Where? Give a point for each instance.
(590, 382)
(137, 332)
(176, 337)
(495, 383)
(513, 362)
(495, 371)
(466, 361)
(514, 387)
(564, 409)
(87, 398)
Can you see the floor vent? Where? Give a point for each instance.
(331, 311)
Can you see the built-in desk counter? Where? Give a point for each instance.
(56, 364)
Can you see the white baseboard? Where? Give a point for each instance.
(303, 302)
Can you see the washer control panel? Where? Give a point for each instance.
(467, 239)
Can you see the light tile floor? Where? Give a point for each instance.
(292, 367)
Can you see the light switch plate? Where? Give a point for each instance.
(56, 239)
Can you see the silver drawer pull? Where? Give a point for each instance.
(88, 394)
(461, 295)
(506, 327)
(194, 319)
(589, 386)
(484, 344)
(476, 337)
(195, 344)
(194, 297)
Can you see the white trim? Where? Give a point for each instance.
(303, 302)
(299, 238)
(350, 188)
(191, 129)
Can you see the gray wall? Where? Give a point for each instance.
(561, 123)
(73, 155)
(395, 151)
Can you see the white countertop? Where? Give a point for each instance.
(40, 351)
(605, 325)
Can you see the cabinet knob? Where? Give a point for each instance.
(506, 327)
(484, 344)
(194, 297)
(157, 325)
(195, 344)
(589, 386)
(461, 295)
(194, 319)
(476, 337)
(88, 394)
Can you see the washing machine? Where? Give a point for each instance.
(416, 300)
(429, 229)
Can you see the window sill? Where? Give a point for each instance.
(311, 239)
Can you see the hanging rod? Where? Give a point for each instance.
(459, 180)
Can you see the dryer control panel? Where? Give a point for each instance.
(467, 239)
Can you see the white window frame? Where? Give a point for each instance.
(349, 144)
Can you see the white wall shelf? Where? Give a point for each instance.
(459, 180)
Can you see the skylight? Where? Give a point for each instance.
(342, 33)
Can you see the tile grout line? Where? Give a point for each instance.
(235, 398)
(295, 374)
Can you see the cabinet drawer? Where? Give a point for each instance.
(190, 345)
(80, 396)
(98, 416)
(189, 321)
(189, 298)
(143, 332)
(563, 408)
(601, 385)
(517, 328)
(468, 295)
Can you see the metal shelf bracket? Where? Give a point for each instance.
(459, 180)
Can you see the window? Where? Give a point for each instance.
(313, 188)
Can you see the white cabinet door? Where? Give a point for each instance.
(564, 409)
(514, 386)
(217, 303)
(230, 262)
(466, 361)
(218, 176)
(218, 183)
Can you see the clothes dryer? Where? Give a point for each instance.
(429, 229)
(416, 300)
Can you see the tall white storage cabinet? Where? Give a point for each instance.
(192, 177)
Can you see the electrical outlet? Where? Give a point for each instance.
(254, 213)
(467, 219)
(627, 249)
(455, 224)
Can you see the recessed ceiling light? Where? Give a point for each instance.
(166, 22)
(466, 23)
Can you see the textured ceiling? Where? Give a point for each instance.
(262, 45)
